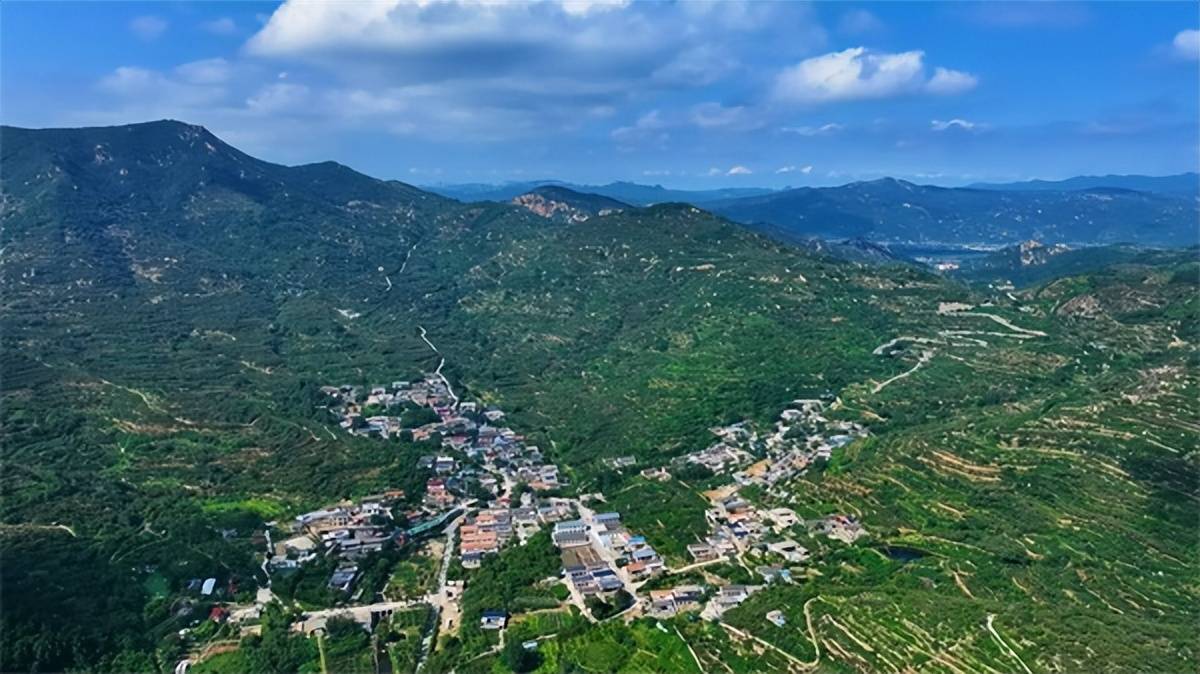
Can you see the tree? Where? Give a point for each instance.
(520, 659)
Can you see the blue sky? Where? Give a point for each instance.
(686, 94)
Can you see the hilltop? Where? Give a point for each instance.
(560, 203)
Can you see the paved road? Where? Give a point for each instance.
(312, 620)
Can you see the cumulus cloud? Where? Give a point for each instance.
(221, 26)
(533, 65)
(148, 27)
(949, 82)
(857, 74)
(1186, 44)
(792, 169)
(738, 170)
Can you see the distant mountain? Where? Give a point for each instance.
(1187, 184)
(630, 193)
(891, 210)
(1032, 262)
(559, 203)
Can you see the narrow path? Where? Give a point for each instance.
(746, 635)
(321, 650)
(438, 371)
(696, 658)
(925, 358)
(1004, 645)
(1002, 321)
(405, 265)
(812, 631)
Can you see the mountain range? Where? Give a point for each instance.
(1185, 184)
(627, 192)
(1089, 211)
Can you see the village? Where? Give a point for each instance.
(487, 488)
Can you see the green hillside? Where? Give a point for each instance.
(171, 307)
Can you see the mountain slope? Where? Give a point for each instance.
(1032, 263)
(166, 332)
(894, 210)
(560, 203)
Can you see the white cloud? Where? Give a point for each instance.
(949, 82)
(716, 116)
(206, 71)
(278, 97)
(738, 170)
(221, 26)
(806, 169)
(141, 84)
(823, 130)
(696, 66)
(585, 7)
(1186, 44)
(148, 27)
(856, 74)
(649, 129)
(956, 123)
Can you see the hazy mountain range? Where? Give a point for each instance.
(1110, 209)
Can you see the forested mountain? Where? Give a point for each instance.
(890, 210)
(1032, 262)
(1185, 184)
(171, 306)
(627, 192)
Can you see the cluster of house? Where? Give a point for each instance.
(619, 463)
(727, 597)
(486, 531)
(801, 436)
(844, 528)
(347, 530)
(667, 603)
(480, 458)
(598, 555)
(721, 457)
(350, 404)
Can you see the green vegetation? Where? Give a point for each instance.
(166, 332)
(668, 516)
(506, 582)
